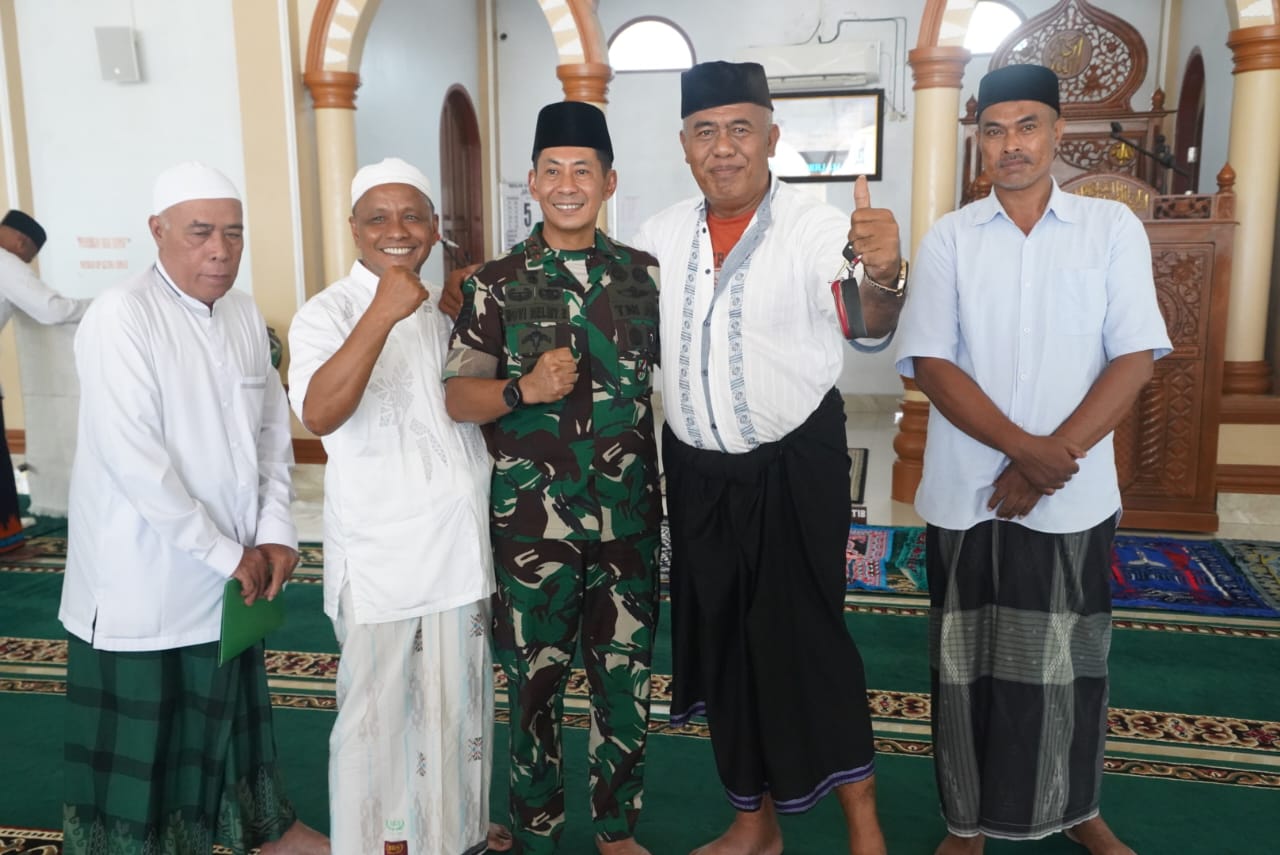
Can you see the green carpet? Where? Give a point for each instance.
(1193, 753)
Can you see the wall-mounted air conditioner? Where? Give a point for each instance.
(816, 66)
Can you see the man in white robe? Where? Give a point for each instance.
(408, 569)
(180, 483)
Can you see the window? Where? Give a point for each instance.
(650, 44)
(990, 25)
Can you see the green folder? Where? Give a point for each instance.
(244, 626)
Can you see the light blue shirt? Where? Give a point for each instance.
(1034, 320)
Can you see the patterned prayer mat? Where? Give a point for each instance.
(1207, 577)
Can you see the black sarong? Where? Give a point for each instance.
(760, 645)
(1019, 630)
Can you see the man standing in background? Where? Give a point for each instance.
(21, 238)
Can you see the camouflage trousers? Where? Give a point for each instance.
(547, 589)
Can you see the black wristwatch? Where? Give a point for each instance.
(511, 395)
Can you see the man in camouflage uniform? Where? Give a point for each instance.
(555, 343)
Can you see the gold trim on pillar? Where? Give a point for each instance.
(1255, 48)
(938, 67)
(585, 81)
(1246, 378)
(332, 90)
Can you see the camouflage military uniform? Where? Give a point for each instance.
(575, 512)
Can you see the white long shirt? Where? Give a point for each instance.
(183, 459)
(406, 488)
(22, 290)
(746, 359)
(1034, 319)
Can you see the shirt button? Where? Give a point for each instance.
(704, 372)
(707, 271)
(1026, 330)
(713, 425)
(1022, 377)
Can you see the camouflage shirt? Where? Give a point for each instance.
(584, 467)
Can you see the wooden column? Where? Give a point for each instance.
(938, 72)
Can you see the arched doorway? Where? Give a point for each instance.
(1189, 126)
(461, 194)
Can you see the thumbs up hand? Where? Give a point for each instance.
(873, 233)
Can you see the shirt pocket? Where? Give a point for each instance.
(1078, 305)
(634, 311)
(526, 342)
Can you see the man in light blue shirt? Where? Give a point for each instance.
(1032, 327)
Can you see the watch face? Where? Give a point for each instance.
(511, 395)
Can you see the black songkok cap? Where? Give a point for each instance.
(715, 84)
(572, 123)
(20, 222)
(1018, 83)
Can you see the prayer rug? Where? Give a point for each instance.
(866, 557)
(1260, 563)
(1182, 575)
(1208, 577)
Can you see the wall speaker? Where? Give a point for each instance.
(118, 54)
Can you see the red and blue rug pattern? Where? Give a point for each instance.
(1208, 577)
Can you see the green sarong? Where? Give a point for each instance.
(168, 753)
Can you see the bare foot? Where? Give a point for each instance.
(858, 800)
(953, 844)
(752, 833)
(620, 847)
(1096, 836)
(299, 839)
(499, 839)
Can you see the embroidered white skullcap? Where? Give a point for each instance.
(392, 170)
(190, 180)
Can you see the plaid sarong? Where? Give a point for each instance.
(168, 753)
(1019, 630)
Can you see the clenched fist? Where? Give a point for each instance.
(400, 293)
(552, 377)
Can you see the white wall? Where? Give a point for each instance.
(96, 146)
(415, 51)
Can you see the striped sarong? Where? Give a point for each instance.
(1019, 631)
(167, 752)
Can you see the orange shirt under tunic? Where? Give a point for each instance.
(725, 232)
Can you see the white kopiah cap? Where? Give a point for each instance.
(190, 180)
(392, 170)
